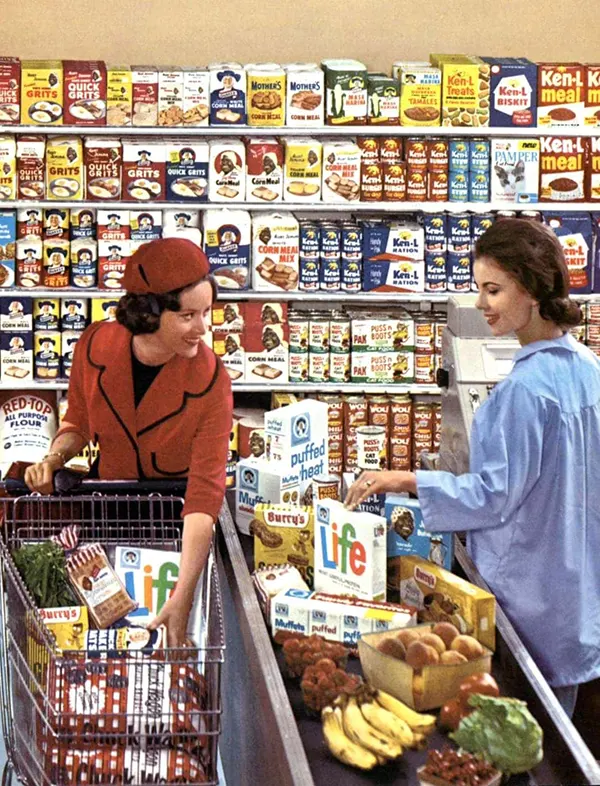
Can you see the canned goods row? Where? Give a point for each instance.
(436, 154)
(330, 256)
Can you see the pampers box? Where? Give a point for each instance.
(350, 551)
(296, 438)
(406, 533)
(261, 481)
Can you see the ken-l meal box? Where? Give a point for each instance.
(296, 437)
(407, 534)
(350, 551)
(257, 481)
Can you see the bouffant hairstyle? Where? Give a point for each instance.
(531, 254)
(141, 313)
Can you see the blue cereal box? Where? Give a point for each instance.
(393, 257)
(406, 533)
(227, 94)
(187, 170)
(8, 247)
(513, 91)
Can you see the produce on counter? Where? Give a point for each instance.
(421, 647)
(43, 569)
(458, 708)
(324, 682)
(503, 731)
(447, 766)
(306, 651)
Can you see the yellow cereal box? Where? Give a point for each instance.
(68, 627)
(465, 90)
(284, 535)
(303, 170)
(441, 596)
(42, 92)
(266, 94)
(420, 96)
(104, 309)
(64, 168)
(8, 167)
(119, 96)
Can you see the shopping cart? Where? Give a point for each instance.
(128, 718)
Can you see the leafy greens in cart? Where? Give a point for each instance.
(42, 568)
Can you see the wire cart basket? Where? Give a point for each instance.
(106, 717)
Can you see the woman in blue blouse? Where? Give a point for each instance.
(531, 501)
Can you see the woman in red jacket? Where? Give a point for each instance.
(156, 399)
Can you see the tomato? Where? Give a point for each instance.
(477, 683)
(452, 713)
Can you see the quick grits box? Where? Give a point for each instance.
(350, 551)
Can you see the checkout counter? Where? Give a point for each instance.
(266, 736)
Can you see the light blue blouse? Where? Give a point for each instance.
(531, 504)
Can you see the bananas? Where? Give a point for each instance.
(341, 746)
(373, 728)
(418, 722)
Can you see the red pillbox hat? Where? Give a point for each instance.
(165, 265)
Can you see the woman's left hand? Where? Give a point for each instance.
(174, 614)
(370, 483)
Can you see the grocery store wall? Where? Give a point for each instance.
(193, 32)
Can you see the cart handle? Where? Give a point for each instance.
(66, 482)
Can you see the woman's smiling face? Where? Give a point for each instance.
(506, 305)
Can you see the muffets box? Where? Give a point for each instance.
(260, 481)
(576, 236)
(266, 342)
(350, 551)
(284, 535)
(440, 596)
(393, 257)
(406, 533)
(16, 313)
(296, 438)
(335, 618)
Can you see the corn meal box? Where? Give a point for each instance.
(465, 90)
(227, 240)
(341, 171)
(576, 236)
(64, 168)
(196, 96)
(561, 95)
(513, 91)
(350, 551)
(104, 309)
(266, 94)
(284, 535)
(407, 534)
(303, 169)
(346, 92)
(440, 596)
(264, 178)
(119, 95)
(187, 169)
(227, 94)
(74, 314)
(8, 248)
(227, 170)
(420, 96)
(68, 342)
(46, 354)
(42, 92)
(591, 116)
(335, 618)
(16, 313)
(144, 169)
(275, 247)
(103, 159)
(46, 314)
(258, 480)
(16, 357)
(31, 155)
(10, 90)
(296, 437)
(384, 100)
(515, 170)
(230, 347)
(84, 97)
(266, 343)
(144, 88)
(170, 96)
(8, 167)
(305, 95)
(393, 257)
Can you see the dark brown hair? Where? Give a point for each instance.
(141, 313)
(531, 254)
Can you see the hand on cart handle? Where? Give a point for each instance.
(370, 483)
(40, 477)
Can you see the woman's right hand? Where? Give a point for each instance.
(39, 477)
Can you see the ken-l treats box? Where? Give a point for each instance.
(407, 534)
(350, 551)
(260, 481)
(284, 535)
(440, 596)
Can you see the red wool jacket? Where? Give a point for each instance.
(181, 427)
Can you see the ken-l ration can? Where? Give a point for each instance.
(372, 447)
